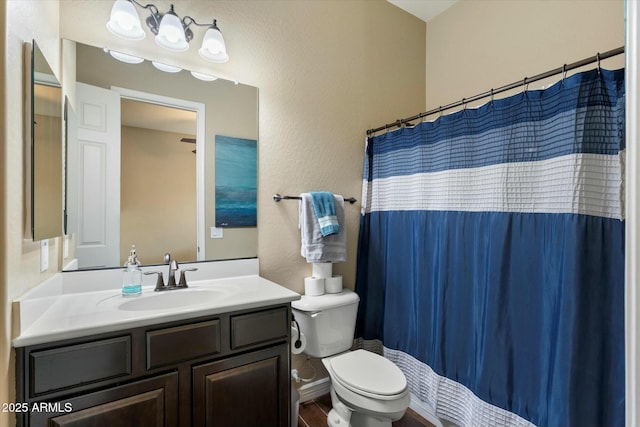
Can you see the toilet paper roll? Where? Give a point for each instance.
(298, 342)
(333, 285)
(313, 286)
(322, 270)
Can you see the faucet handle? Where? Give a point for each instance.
(159, 281)
(183, 277)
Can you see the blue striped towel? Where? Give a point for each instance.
(314, 247)
(325, 208)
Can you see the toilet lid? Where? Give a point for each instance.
(326, 301)
(368, 372)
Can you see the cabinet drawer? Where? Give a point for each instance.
(258, 327)
(173, 345)
(79, 364)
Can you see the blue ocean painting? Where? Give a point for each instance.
(236, 181)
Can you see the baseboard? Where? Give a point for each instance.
(315, 389)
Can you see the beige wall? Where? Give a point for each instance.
(475, 46)
(158, 192)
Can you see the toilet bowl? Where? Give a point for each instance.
(367, 390)
(370, 386)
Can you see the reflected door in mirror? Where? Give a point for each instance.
(94, 176)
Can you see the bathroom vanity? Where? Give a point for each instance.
(220, 358)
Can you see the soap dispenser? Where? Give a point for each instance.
(132, 278)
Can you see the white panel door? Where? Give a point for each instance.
(94, 176)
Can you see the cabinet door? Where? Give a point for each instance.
(148, 403)
(243, 391)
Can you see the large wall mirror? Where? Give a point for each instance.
(47, 149)
(154, 196)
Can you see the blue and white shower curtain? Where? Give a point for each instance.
(491, 256)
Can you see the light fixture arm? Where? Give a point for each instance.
(187, 20)
(152, 7)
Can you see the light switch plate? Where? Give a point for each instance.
(44, 255)
(216, 233)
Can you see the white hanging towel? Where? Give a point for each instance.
(314, 247)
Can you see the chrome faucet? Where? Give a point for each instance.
(171, 280)
(173, 266)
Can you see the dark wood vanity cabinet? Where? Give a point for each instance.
(241, 391)
(223, 370)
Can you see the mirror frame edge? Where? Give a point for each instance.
(28, 61)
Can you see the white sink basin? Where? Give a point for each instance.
(172, 299)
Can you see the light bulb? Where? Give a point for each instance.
(166, 67)
(203, 77)
(213, 47)
(125, 21)
(124, 57)
(171, 33)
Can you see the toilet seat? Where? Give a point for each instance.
(369, 374)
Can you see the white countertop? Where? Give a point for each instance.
(62, 312)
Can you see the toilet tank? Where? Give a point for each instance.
(328, 322)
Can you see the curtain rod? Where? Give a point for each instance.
(566, 67)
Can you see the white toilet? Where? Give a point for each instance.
(367, 390)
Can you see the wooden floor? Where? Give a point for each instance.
(314, 414)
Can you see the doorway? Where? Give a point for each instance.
(158, 200)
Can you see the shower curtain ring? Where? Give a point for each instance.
(525, 85)
(492, 95)
(598, 59)
(440, 111)
(564, 72)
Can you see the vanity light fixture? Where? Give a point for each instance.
(171, 32)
